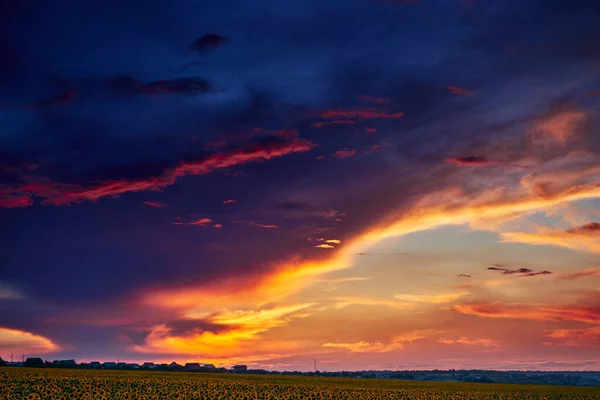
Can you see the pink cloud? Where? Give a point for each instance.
(457, 90)
(257, 224)
(199, 222)
(64, 194)
(344, 153)
(230, 202)
(155, 204)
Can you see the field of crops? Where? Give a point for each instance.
(24, 383)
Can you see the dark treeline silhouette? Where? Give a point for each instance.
(576, 378)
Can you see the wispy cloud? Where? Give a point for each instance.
(486, 342)
(197, 222)
(460, 91)
(396, 343)
(63, 194)
(583, 238)
(155, 204)
(344, 153)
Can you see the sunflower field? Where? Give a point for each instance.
(37, 384)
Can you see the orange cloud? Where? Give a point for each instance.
(536, 312)
(583, 238)
(346, 301)
(457, 90)
(21, 342)
(334, 241)
(589, 337)
(433, 299)
(471, 341)
(581, 274)
(241, 336)
(62, 194)
(324, 246)
(395, 343)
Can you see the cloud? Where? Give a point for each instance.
(320, 124)
(217, 226)
(10, 292)
(21, 342)
(481, 162)
(333, 241)
(324, 246)
(346, 301)
(582, 238)
(62, 99)
(359, 113)
(126, 85)
(395, 343)
(230, 202)
(588, 337)
(374, 99)
(232, 333)
(581, 274)
(557, 128)
(540, 312)
(471, 341)
(464, 275)
(257, 224)
(209, 42)
(431, 298)
(344, 153)
(64, 194)
(459, 91)
(198, 222)
(155, 204)
(371, 130)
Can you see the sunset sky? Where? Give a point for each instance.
(375, 184)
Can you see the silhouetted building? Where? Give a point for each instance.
(64, 363)
(239, 369)
(109, 365)
(34, 362)
(210, 368)
(192, 367)
(95, 364)
(148, 365)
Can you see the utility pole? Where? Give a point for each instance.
(11, 356)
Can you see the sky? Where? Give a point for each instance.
(372, 184)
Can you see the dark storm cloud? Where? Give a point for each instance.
(127, 85)
(209, 42)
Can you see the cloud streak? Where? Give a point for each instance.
(65, 194)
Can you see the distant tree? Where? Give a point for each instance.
(2, 362)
